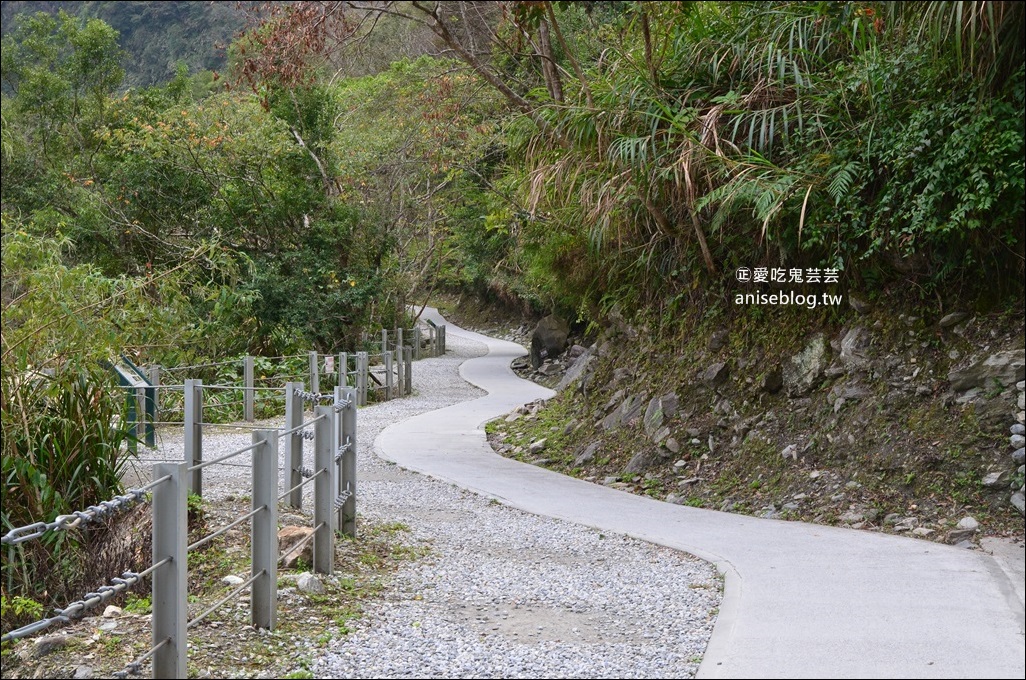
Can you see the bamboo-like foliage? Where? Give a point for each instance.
(981, 37)
(728, 133)
(62, 452)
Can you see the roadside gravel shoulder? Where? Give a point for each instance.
(440, 583)
(503, 593)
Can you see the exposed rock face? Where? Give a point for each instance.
(1004, 368)
(966, 528)
(48, 644)
(1019, 502)
(952, 319)
(549, 368)
(853, 347)
(588, 454)
(632, 406)
(859, 305)
(581, 370)
(643, 460)
(756, 415)
(716, 375)
(288, 542)
(627, 411)
(549, 339)
(718, 340)
(659, 409)
(773, 381)
(805, 368)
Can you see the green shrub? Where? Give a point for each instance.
(63, 439)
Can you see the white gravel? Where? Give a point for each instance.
(502, 593)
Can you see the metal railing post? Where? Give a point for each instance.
(140, 411)
(399, 372)
(263, 602)
(388, 375)
(292, 473)
(170, 587)
(433, 340)
(336, 448)
(152, 404)
(324, 466)
(343, 369)
(362, 366)
(417, 341)
(132, 419)
(347, 477)
(194, 432)
(315, 379)
(249, 397)
(153, 373)
(408, 365)
(441, 344)
(384, 340)
(150, 407)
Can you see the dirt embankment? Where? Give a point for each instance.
(873, 418)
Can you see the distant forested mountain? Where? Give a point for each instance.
(156, 35)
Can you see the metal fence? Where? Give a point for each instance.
(334, 499)
(333, 431)
(387, 374)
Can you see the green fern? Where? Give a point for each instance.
(842, 179)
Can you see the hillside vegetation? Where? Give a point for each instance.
(615, 162)
(156, 36)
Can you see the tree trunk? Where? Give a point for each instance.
(570, 55)
(439, 28)
(549, 68)
(664, 224)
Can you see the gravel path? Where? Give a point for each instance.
(502, 593)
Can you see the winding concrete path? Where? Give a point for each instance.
(800, 600)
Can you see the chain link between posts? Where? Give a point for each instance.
(74, 520)
(76, 609)
(312, 396)
(342, 498)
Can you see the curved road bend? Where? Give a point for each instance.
(800, 600)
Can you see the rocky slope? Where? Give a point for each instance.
(878, 420)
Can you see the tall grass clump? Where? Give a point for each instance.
(62, 452)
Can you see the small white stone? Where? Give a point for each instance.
(968, 523)
(308, 583)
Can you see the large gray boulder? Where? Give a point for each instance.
(549, 339)
(1003, 368)
(854, 345)
(588, 454)
(644, 460)
(625, 413)
(803, 370)
(293, 550)
(580, 372)
(716, 375)
(659, 409)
